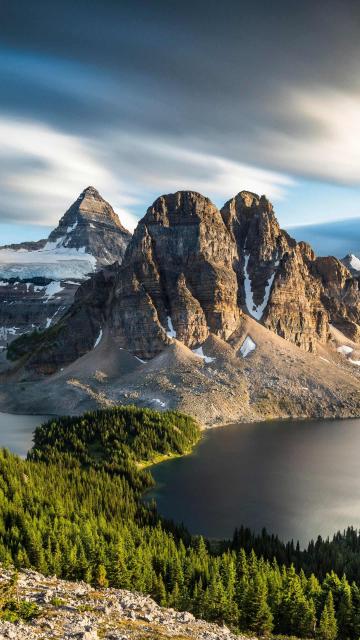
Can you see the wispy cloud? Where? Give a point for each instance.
(42, 168)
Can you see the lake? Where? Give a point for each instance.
(297, 479)
(16, 431)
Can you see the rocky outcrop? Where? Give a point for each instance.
(77, 331)
(75, 610)
(340, 295)
(177, 279)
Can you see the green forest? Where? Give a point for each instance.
(74, 509)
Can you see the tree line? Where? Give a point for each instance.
(74, 509)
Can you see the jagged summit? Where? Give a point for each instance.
(181, 207)
(91, 226)
(89, 208)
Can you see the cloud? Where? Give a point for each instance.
(156, 166)
(330, 150)
(41, 169)
(143, 98)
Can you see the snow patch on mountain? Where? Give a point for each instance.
(171, 333)
(199, 352)
(247, 346)
(98, 339)
(254, 310)
(344, 349)
(355, 262)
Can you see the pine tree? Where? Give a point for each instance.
(345, 611)
(100, 576)
(259, 618)
(328, 626)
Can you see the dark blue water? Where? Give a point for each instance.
(16, 432)
(297, 479)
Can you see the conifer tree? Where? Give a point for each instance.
(327, 629)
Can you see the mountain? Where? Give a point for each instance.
(352, 263)
(38, 280)
(218, 313)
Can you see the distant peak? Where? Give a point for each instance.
(90, 191)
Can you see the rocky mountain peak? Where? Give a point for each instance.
(182, 207)
(352, 263)
(89, 207)
(92, 226)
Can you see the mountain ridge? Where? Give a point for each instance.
(220, 314)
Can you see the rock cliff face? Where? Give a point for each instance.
(191, 271)
(38, 280)
(340, 295)
(276, 285)
(177, 279)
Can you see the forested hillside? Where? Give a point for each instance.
(74, 509)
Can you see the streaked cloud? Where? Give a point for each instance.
(145, 98)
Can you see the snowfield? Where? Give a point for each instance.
(53, 261)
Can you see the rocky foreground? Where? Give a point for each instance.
(74, 610)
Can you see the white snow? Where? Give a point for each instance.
(97, 341)
(162, 404)
(53, 261)
(256, 311)
(52, 289)
(3, 283)
(171, 333)
(355, 262)
(137, 358)
(5, 331)
(357, 362)
(199, 352)
(247, 346)
(72, 227)
(344, 349)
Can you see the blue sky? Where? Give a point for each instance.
(140, 99)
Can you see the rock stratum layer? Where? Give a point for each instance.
(232, 297)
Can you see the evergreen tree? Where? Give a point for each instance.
(327, 629)
(258, 616)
